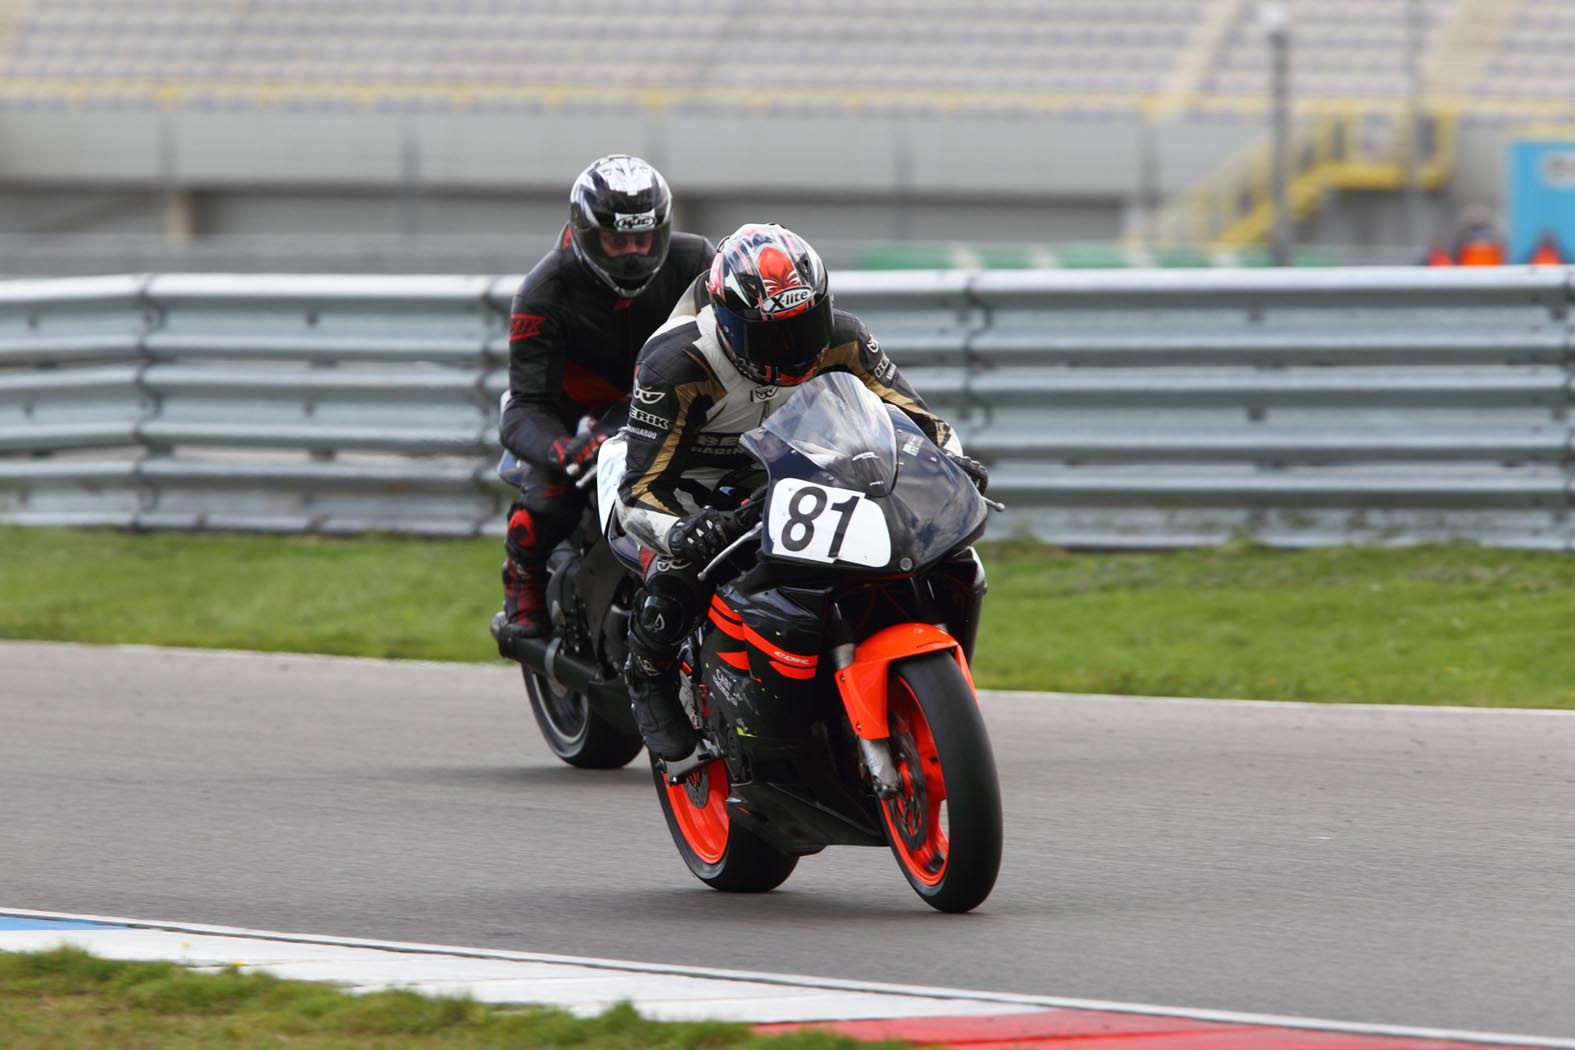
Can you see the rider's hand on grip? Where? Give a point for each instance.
(573, 454)
(977, 472)
(704, 534)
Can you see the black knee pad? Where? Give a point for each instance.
(666, 609)
(660, 621)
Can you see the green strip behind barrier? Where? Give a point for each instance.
(893, 255)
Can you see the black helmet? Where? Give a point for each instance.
(772, 304)
(620, 218)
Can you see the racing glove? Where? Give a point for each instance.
(977, 472)
(704, 534)
(573, 455)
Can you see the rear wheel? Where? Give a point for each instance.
(721, 854)
(575, 732)
(944, 825)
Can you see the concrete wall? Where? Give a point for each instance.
(369, 181)
(525, 150)
(39, 209)
(530, 150)
(1482, 167)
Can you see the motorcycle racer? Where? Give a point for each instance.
(578, 320)
(757, 325)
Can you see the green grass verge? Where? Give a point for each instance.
(1424, 625)
(1440, 625)
(68, 998)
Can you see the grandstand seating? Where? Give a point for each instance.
(1498, 58)
(1340, 49)
(461, 51)
(1525, 70)
(1501, 61)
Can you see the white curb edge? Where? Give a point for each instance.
(898, 991)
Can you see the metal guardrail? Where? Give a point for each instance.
(1117, 409)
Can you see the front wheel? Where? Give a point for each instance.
(575, 732)
(721, 854)
(944, 825)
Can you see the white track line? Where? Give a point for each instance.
(959, 997)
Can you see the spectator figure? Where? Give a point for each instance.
(1547, 251)
(1477, 240)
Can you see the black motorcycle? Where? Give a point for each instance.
(574, 676)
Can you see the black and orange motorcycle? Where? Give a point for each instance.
(830, 682)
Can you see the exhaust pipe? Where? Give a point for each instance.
(609, 697)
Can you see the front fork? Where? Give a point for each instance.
(876, 753)
(862, 673)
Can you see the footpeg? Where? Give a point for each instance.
(679, 768)
(499, 620)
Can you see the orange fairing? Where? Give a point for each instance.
(863, 682)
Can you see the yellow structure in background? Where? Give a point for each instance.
(1334, 148)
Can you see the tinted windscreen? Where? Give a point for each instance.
(835, 423)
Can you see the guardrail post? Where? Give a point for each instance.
(1561, 317)
(149, 403)
(492, 374)
(976, 410)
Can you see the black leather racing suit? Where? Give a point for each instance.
(572, 346)
(687, 410)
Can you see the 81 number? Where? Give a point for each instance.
(804, 512)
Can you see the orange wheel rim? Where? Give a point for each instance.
(913, 817)
(699, 803)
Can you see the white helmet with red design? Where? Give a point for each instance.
(772, 302)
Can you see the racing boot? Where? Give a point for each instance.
(658, 713)
(524, 612)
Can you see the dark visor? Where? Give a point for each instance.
(792, 345)
(633, 266)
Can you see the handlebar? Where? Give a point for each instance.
(730, 548)
(750, 510)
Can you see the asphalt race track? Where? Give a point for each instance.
(1385, 865)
